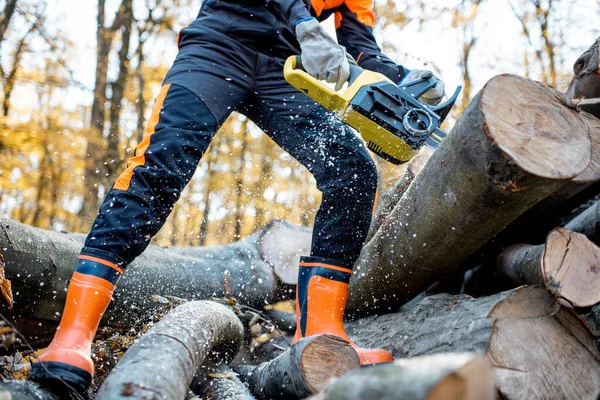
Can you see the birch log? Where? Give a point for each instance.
(515, 144)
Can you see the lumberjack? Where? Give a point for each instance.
(231, 58)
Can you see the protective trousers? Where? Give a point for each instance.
(210, 79)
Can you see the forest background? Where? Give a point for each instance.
(78, 79)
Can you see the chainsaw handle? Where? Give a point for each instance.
(355, 70)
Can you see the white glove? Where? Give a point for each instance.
(434, 95)
(322, 57)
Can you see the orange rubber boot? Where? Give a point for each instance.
(68, 358)
(320, 301)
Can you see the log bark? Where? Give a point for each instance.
(587, 223)
(515, 145)
(40, 263)
(24, 390)
(304, 369)
(540, 350)
(448, 376)
(586, 83)
(567, 265)
(388, 200)
(216, 381)
(163, 362)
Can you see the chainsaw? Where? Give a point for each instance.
(388, 116)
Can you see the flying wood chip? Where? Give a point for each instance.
(5, 285)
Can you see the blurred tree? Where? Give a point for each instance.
(464, 20)
(535, 19)
(7, 13)
(96, 145)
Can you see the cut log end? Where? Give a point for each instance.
(571, 265)
(328, 357)
(534, 127)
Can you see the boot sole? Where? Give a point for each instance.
(57, 375)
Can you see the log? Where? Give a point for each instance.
(539, 349)
(515, 144)
(24, 390)
(587, 223)
(163, 362)
(449, 376)
(216, 381)
(40, 263)
(304, 369)
(388, 200)
(567, 265)
(586, 83)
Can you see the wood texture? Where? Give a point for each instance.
(390, 198)
(515, 144)
(304, 369)
(568, 265)
(447, 376)
(163, 362)
(540, 350)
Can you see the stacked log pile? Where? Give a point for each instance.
(493, 196)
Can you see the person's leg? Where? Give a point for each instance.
(177, 134)
(346, 176)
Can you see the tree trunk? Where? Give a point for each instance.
(450, 376)
(304, 369)
(40, 263)
(500, 159)
(566, 265)
(540, 350)
(7, 14)
(586, 83)
(163, 362)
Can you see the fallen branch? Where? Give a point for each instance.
(446, 376)
(163, 362)
(499, 160)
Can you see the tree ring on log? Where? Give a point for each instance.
(571, 265)
(531, 133)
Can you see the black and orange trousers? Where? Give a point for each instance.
(209, 80)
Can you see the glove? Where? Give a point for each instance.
(322, 57)
(434, 95)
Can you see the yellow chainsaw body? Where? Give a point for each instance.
(378, 139)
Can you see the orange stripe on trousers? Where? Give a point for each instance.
(124, 180)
